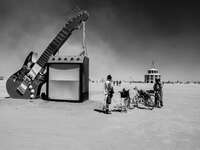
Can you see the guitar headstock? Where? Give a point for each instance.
(75, 21)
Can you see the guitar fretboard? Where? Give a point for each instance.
(54, 46)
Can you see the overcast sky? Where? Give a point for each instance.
(123, 37)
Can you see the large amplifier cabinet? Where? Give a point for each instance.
(68, 78)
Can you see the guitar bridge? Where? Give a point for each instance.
(22, 89)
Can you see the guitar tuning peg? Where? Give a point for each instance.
(69, 21)
(66, 24)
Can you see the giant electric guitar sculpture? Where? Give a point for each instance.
(27, 82)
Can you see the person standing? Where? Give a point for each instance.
(158, 93)
(108, 91)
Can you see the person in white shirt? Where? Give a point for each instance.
(108, 91)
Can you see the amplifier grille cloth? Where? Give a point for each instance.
(64, 81)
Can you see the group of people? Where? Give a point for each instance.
(140, 94)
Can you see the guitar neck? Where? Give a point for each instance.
(54, 46)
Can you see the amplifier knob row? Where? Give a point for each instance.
(68, 59)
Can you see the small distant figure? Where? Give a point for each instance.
(158, 93)
(119, 82)
(114, 83)
(108, 91)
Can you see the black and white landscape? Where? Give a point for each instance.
(122, 39)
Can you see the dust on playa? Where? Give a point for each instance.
(39, 124)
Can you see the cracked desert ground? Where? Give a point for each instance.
(48, 125)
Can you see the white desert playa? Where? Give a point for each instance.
(39, 125)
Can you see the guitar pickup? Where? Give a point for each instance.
(23, 86)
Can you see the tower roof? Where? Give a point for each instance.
(152, 69)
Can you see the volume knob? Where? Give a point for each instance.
(31, 96)
(32, 91)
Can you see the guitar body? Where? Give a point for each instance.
(27, 82)
(34, 87)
